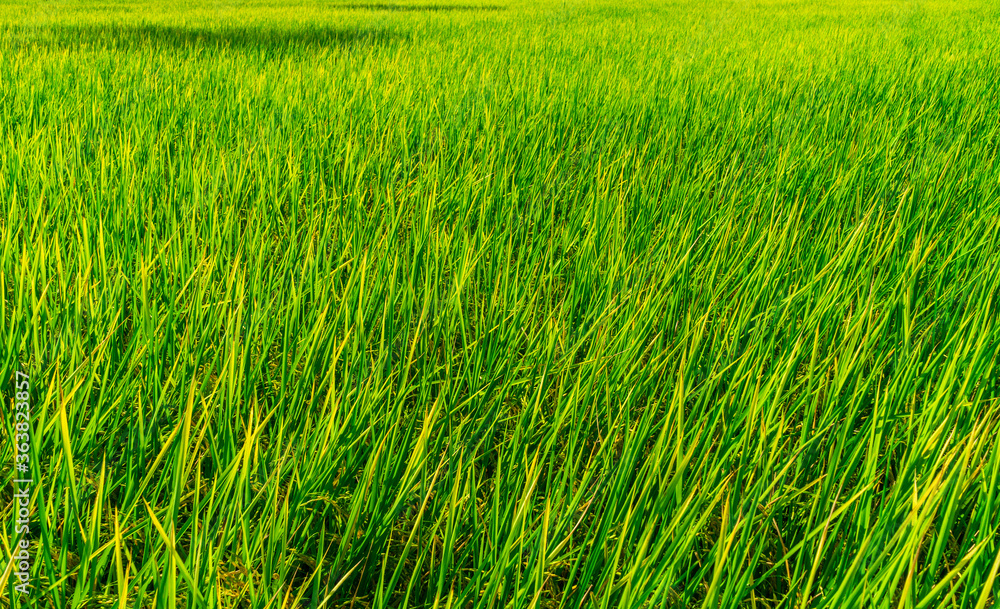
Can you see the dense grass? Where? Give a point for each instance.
(438, 305)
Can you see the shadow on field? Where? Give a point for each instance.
(133, 37)
(376, 6)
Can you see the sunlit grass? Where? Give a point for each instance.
(400, 304)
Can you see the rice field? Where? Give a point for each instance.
(501, 305)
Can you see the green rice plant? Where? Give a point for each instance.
(580, 304)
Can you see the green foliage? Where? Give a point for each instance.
(568, 305)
